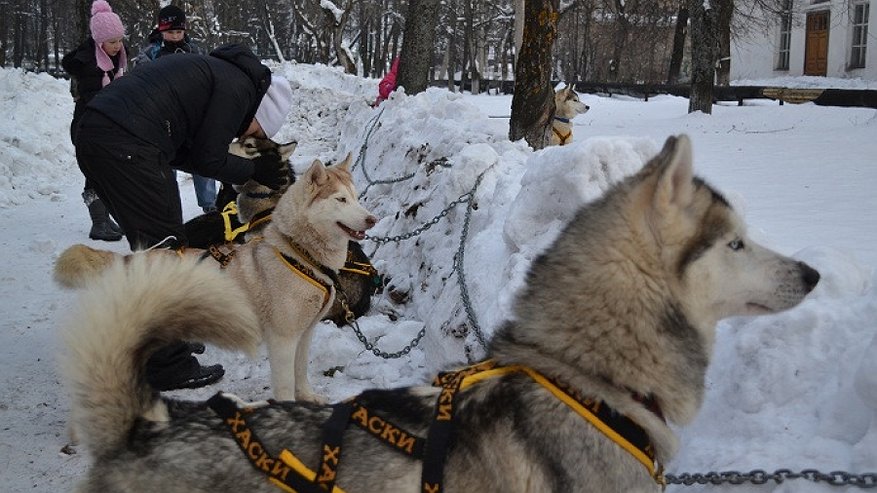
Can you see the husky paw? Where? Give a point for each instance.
(242, 404)
(311, 397)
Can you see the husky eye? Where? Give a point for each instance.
(736, 244)
(343, 200)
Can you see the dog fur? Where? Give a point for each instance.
(624, 301)
(209, 229)
(253, 198)
(566, 107)
(320, 213)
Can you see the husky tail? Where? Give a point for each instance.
(137, 306)
(79, 264)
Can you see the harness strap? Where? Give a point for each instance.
(228, 212)
(393, 436)
(306, 274)
(330, 451)
(219, 256)
(261, 217)
(278, 470)
(441, 432)
(617, 427)
(561, 136)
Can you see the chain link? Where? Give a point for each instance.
(759, 476)
(465, 198)
(350, 318)
(458, 266)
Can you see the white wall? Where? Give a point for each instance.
(754, 56)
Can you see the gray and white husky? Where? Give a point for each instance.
(619, 314)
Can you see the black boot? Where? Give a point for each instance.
(173, 367)
(100, 219)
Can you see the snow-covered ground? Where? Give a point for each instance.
(795, 390)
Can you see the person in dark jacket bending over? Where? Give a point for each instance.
(168, 38)
(178, 112)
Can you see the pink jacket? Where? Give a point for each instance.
(388, 83)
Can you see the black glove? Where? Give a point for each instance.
(270, 171)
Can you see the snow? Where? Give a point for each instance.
(794, 390)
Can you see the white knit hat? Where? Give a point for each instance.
(274, 106)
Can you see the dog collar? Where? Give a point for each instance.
(564, 120)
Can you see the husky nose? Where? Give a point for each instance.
(809, 275)
(372, 220)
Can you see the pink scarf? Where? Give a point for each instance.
(106, 64)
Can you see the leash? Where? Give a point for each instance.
(433, 451)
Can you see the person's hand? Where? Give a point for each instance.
(270, 170)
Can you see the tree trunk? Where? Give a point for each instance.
(519, 27)
(725, 10)
(678, 44)
(4, 36)
(533, 101)
(83, 15)
(335, 25)
(703, 55)
(417, 45)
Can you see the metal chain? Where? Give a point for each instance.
(350, 318)
(372, 124)
(458, 266)
(759, 476)
(387, 239)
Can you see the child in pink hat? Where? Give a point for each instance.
(94, 64)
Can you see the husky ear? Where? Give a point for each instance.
(345, 165)
(675, 170)
(316, 175)
(286, 150)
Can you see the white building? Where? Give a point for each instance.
(813, 37)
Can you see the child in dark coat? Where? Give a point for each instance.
(95, 63)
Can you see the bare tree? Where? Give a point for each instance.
(679, 35)
(704, 45)
(533, 101)
(724, 14)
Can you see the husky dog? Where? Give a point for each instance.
(288, 275)
(617, 319)
(209, 228)
(358, 280)
(566, 107)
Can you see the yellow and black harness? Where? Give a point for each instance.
(563, 138)
(232, 234)
(288, 473)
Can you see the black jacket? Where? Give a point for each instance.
(191, 107)
(85, 76)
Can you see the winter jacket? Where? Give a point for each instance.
(388, 83)
(191, 107)
(85, 76)
(158, 47)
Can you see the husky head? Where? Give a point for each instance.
(631, 290)
(254, 197)
(323, 203)
(567, 103)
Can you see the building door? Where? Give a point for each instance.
(816, 44)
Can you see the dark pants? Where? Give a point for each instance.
(133, 178)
